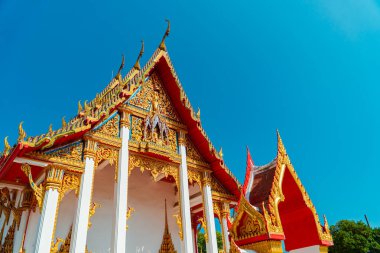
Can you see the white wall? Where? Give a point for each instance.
(66, 215)
(146, 225)
(31, 230)
(311, 249)
(100, 233)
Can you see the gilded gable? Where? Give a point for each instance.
(145, 97)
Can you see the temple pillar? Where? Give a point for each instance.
(49, 209)
(224, 216)
(211, 244)
(79, 234)
(187, 243)
(195, 235)
(121, 189)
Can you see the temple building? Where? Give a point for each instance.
(134, 171)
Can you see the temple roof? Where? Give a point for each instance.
(105, 103)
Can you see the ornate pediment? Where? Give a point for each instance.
(152, 96)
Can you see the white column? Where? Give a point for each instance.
(211, 245)
(19, 234)
(225, 213)
(121, 190)
(79, 235)
(49, 210)
(187, 243)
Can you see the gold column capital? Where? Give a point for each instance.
(225, 211)
(206, 179)
(54, 176)
(182, 138)
(90, 148)
(125, 118)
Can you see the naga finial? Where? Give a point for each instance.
(21, 132)
(162, 44)
(199, 113)
(121, 65)
(80, 108)
(50, 131)
(220, 153)
(7, 147)
(64, 124)
(87, 108)
(137, 64)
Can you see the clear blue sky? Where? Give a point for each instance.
(309, 68)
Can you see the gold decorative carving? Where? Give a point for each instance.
(155, 167)
(178, 220)
(69, 182)
(92, 211)
(129, 214)
(194, 176)
(21, 132)
(206, 179)
(146, 98)
(202, 221)
(65, 247)
(55, 245)
(110, 128)
(7, 147)
(7, 246)
(37, 190)
(54, 176)
(90, 148)
(252, 222)
(109, 154)
(192, 152)
(71, 152)
(167, 245)
(270, 246)
(125, 120)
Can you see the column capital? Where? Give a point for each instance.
(225, 211)
(206, 179)
(54, 176)
(125, 119)
(90, 147)
(182, 138)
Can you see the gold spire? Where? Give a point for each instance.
(137, 64)
(80, 108)
(87, 108)
(280, 146)
(220, 153)
(7, 147)
(121, 65)
(64, 124)
(21, 132)
(167, 243)
(199, 113)
(162, 44)
(50, 129)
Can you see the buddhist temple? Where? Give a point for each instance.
(134, 171)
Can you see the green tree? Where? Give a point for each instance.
(354, 237)
(202, 243)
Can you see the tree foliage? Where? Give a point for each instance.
(354, 237)
(202, 243)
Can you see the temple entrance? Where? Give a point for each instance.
(146, 202)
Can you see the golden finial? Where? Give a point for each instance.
(121, 65)
(21, 132)
(137, 64)
(50, 129)
(7, 147)
(87, 108)
(280, 145)
(64, 124)
(220, 153)
(199, 113)
(80, 108)
(162, 44)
